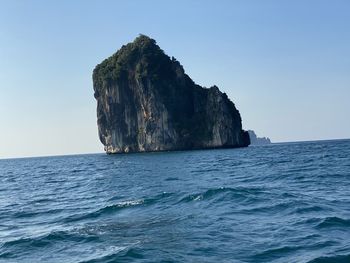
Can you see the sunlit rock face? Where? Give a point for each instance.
(146, 102)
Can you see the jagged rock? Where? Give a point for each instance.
(146, 102)
(255, 140)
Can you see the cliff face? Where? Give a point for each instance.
(146, 102)
(255, 140)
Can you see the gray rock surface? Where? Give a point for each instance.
(146, 102)
(255, 140)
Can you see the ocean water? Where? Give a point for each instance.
(274, 203)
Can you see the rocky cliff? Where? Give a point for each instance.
(255, 140)
(146, 102)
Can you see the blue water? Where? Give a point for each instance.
(275, 203)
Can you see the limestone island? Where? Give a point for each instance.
(146, 102)
(255, 140)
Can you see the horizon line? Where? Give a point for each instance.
(74, 154)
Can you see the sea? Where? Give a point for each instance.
(287, 202)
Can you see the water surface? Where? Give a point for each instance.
(275, 203)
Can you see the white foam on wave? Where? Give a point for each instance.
(130, 203)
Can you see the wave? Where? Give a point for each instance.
(46, 240)
(273, 253)
(123, 204)
(124, 254)
(334, 222)
(308, 209)
(270, 254)
(26, 214)
(172, 179)
(77, 170)
(106, 210)
(233, 193)
(332, 259)
(269, 207)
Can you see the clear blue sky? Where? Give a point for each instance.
(285, 64)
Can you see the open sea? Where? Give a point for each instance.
(285, 202)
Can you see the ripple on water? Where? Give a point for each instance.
(334, 221)
(332, 259)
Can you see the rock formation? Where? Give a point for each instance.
(255, 140)
(146, 102)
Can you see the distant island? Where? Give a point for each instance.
(255, 140)
(146, 102)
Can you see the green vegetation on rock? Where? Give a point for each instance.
(146, 102)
